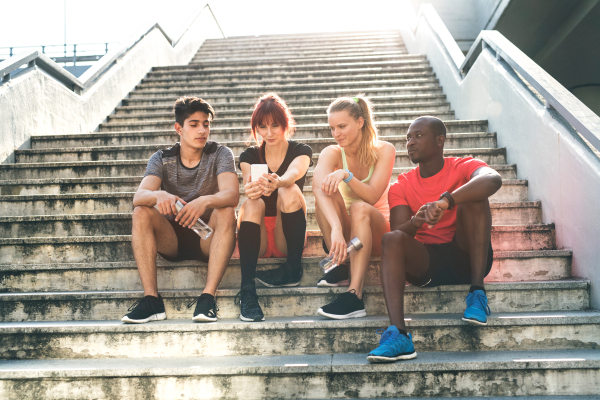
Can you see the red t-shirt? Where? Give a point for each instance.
(413, 191)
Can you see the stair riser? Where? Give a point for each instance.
(244, 122)
(242, 342)
(129, 184)
(316, 42)
(323, 385)
(283, 79)
(127, 115)
(265, 53)
(288, 97)
(417, 67)
(434, 301)
(323, 46)
(286, 57)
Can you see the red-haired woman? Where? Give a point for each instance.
(272, 221)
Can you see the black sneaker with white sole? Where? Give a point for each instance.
(206, 308)
(339, 276)
(282, 276)
(250, 310)
(346, 305)
(148, 309)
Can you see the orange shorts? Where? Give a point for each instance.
(272, 250)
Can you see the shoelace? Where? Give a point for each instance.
(197, 299)
(145, 300)
(344, 296)
(386, 335)
(252, 302)
(478, 301)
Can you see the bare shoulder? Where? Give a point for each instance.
(384, 147)
(330, 155)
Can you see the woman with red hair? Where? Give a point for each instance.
(272, 221)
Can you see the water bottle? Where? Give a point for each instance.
(327, 263)
(201, 229)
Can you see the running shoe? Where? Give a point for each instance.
(250, 310)
(477, 308)
(339, 276)
(282, 276)
(393, 346)
(346, 305)
(206, 308)
(149, 308)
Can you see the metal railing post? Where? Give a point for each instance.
(74, 54)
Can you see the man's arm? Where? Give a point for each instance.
(227, 196)
(484, 182)
(149, 194)
(400, 219)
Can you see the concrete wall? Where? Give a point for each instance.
(562, 171)
(36, 104)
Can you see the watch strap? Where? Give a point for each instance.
(448, 196)
(350, 176)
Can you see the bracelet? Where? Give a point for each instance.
(350, 176)
(411, 221)
(448, 196)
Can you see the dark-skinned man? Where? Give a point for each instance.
(440, 232)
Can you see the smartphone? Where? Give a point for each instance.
(257, 170)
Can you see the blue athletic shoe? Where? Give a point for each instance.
(393, 346)
(477, 308)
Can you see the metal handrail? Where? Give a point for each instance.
(555, 95)
(89, 77)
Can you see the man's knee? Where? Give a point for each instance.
(289, 196)
(224, 217)
(142, 214)
(360, 211)
(394, 239)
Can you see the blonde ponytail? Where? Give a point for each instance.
(357, 107)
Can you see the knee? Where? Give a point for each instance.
(253, 208)
(289, 196)
(142, 214)
(394, 239)
(360, 211)
(225, 217)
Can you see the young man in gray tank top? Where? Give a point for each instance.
(202, 176)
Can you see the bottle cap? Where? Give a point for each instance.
(356, 243)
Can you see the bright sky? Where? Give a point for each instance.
(37, 22)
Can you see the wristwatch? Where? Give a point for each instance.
(350, 176)
(448, 196)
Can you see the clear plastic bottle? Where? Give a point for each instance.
(327, 263)
(201, 229)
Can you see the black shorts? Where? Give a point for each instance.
(188, 244)
(448, 265)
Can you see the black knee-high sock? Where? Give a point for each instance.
(294, 230)
(249, 245)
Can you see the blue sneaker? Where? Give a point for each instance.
(477, 308)
(393, 346)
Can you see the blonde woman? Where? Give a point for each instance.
(350, 185)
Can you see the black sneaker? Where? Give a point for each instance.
(346, 305)
(280, 276)
(206, 308)
(250, 310)
(339, 276)
(149, 308)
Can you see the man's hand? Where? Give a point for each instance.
(418, 220)
(190, 213)
(253, 190)
(330, 184)
(165, 203)
(435, 212)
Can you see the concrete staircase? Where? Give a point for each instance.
(68, 274)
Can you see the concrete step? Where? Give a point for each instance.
(525, 373)
(314, 42)
(90, 271)
(141, 114)
(314, 39)
(303, 57)
(229, 80)
(276, 74)
(564, 295)
(232, 337)
(287, 95)
(243, 120)
(140, 104)
(107, 185)
(257, 48)
(314, 65)
(305, 52)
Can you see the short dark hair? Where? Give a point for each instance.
(437, 125)
(186, 106)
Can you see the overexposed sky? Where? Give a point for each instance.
(42, 22)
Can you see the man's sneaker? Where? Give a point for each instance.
(149, 308)
(250, 310)
(477, 308)
(393, 346)
(346, 305)
(206, 308)
(336, 277)
(282, 276)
